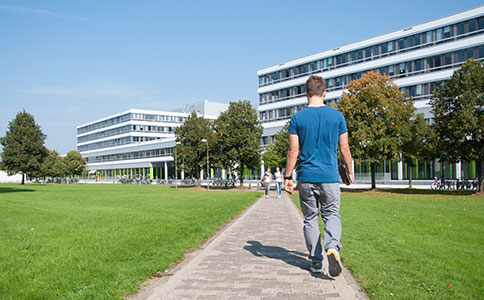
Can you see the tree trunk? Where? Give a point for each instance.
(23, 178)
(373, 180)
(241, 174)
(410, 176)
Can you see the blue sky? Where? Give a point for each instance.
(70, 62)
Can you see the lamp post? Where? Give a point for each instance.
(208, 168)
(176, 166)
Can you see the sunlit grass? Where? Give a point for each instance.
(101, 241)
(406, 244)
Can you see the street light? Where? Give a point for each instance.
(176, 169)
(208, 170)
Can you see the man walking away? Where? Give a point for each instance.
(315, 133)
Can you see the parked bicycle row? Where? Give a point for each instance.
(455, 184)
(170, 181)
(60, 180)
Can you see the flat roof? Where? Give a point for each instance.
(413, 29)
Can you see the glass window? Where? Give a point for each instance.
(428, 37)
(318, 65)
(383, 48)
(481, 23)
(330, 61)
(337, 81)
(390, 46)
(409, 41)
(409, 66)
(460, 28)
(330, 83)
(418, 89)
(447, 32)
(416, 39)
(374, 51)
(360, 54)
(470, 53)
(400, 44)
(353, 56)
(438, 34)
(338, 60)
(418, 65)
(367, 52)
(344, 58)
(391, 70)
(461, 56)
(472, 25)
(411, 90)
(481, 51)
(402, 68)
(325, 63)
(447, 59)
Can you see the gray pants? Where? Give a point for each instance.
(266, 188)
(327, 195)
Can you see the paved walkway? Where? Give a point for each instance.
(260, 255)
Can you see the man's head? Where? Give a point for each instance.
(315, 86)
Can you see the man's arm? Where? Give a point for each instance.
(292, 154)
(344, 147)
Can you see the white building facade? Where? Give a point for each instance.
(419, 58)
(137, 143)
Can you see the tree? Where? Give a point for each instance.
(23, 146)
(75, 163)
(191, 152)
(239, 132)
(48, 164)
(276, 153)
(458, 108)
(376, 114)
(417, 143)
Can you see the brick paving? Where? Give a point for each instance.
(260, 255)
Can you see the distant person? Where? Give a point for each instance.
(278, 180)
(267, 181)
(314, 134)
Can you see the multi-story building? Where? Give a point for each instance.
(137, 143)
(419, 58)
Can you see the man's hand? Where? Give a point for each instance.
(288, 186)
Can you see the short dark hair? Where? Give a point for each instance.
(315, 86)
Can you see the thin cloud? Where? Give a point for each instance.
(35, 11)
(99, 89)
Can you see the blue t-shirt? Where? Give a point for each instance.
(318, 129)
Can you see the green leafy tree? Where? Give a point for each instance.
(192, 152)
(74, 162)
(48, 164)
(239, 131)
(458, 108)
(376, 115)
(417, 143)
(276, 153)
(23, 147)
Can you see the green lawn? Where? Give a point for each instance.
(101, 241)
(410, 244)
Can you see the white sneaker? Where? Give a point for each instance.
(267, 196)
(279, 196)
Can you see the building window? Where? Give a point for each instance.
(438, 34)
(402, 68)
(447, 32)
(428, 37)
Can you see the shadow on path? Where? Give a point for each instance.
(293, 258)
